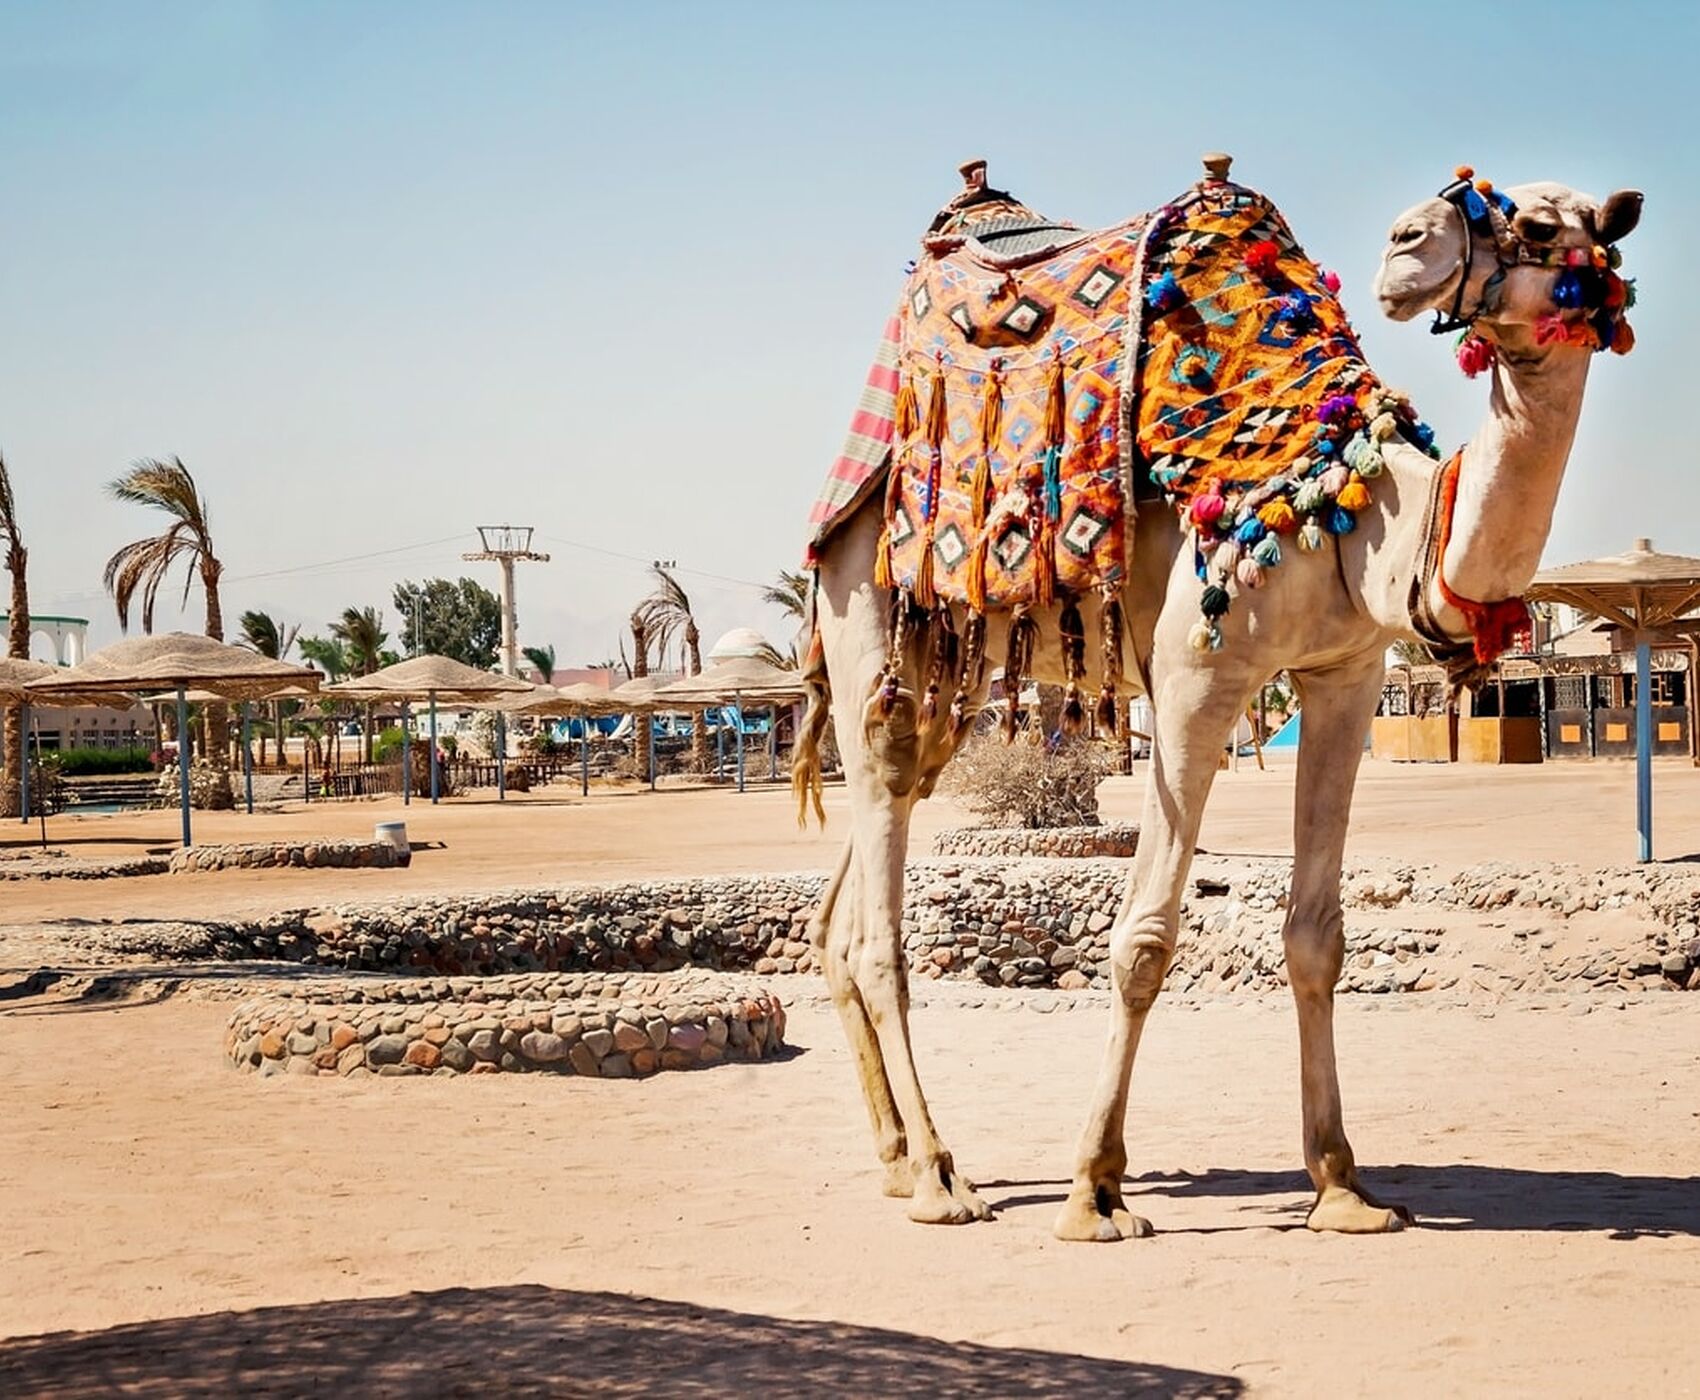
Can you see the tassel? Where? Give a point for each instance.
(1333, 481)
(1340, 521)
(1249, 573)
(1207, 509)
(1213, 602)
(884, 574)
(1383, 426)
(1250, 531)
(1355, 495)
(1622, 339)
(1475, 355)
(1056, 403)
(975, 584)
(1204, 636)
(1110, 643)
(935, 405)
(1073, 630)
(1018, 660)
(972, 673)
(882, 560)
(1262, 258)
(1310, 536)
(991, 410)
(907, 418)
(1278, 516)
(926, 596)
(1268, 552)
(1044, 561)
(1567, 292)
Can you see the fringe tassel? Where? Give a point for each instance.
(1044, 562)
(980, 490)
(944, 642)
(1110, 624)
(1073, 630)
(891, 677)
(884, 575)
(973, 669)
(907, 417)
(1050, 489)
(925, 595)
(935, 405)
(1018, 661)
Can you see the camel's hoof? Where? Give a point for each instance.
(1346, 1212)
(943, 1198)
(1098, 1216)
(899, 1178)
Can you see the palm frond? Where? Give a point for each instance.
(791, 593)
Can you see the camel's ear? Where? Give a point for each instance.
(1618, 215)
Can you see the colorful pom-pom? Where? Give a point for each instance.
(1355, 496)
(1213, 602)
(1263, 257)
(1249, 531)
(1622, 339)
(1614, 259)
(1207, 509)
(1226, 556)
(1423, 436)
(1249, 573)
(1268, 552)
(1340, 521)
(1336, 408)
(1308, 499)
(1464, 172)
(1279, 517)
(1331, 280)
(1383, 426)
(1164, 293)
(1475, 355)
(1203, 637)
(1363, 456)
(1567, 290)
(1310, 536)
(1333, 481)
(1296, 310)
(1616, 291)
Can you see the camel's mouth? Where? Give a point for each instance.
(1407, 286)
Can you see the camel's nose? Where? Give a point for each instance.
(1407, 235)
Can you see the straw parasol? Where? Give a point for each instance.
(431, 678)
(738, 680)
(1647, 594)
(16, 674)
(180, 661)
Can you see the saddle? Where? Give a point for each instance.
(1035, 371)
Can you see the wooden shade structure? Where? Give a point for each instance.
(1649, 595)
(737, 680)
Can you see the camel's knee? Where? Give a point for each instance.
(1138, 965)
(891, 739)
(1315, 940)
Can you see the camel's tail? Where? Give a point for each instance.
(805, 754)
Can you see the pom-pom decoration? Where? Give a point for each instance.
(1340, 521)
(1213, 602)
(1355, 495)
(1475, 354)
(1279, 517)
(1268, 552)
(1207, 509)
(1331, 280)
(1249, 573)
(1164, 293)
(1310, 536)
(1333, 481)
(1567, 291)
(1263, 257)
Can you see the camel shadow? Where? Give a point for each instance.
(1455, 1196)
(531, 1340)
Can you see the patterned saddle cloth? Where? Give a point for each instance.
(1033, 368)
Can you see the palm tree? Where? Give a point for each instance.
(639, 622)
(543, 658)
(669, 615)
(791, 593)
(261, 632)
(141, 566)
(361, 632)
(17, 635)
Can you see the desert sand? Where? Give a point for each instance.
(177, 1227)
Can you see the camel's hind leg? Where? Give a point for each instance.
(1197, 703)
(1337, 710)
(838, 905)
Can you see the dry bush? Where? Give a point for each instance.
(1027, 784)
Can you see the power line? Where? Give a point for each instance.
(638, 559)
(349, 559)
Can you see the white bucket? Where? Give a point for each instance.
(394, 834)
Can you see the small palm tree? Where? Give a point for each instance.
(670, 615)
(543, 658)
(639, 623)
(328, 654)
(263, 633)
(361, 632)
(792, 594)
(17, 635)
(140, 567)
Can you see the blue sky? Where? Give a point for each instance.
(380, 272)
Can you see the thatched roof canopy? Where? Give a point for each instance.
(172, 659)
(740, 678)
(1642, 589)
(450, 682)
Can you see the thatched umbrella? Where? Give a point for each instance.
(1648, 594)
(637, 697)
(180, 661)
(432, 678)
(15, 674)
(736, 680)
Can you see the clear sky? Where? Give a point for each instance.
(380, 272)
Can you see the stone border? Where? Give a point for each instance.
(606, 1026)
(310, 855)
(1115, 842)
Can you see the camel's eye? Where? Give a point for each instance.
(1537, 230)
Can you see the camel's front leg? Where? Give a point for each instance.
(1197, 700)
(1337, 709)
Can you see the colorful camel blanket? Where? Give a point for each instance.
(1032, 368)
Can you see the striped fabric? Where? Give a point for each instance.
(860, 468)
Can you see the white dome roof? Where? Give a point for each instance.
(740, 641)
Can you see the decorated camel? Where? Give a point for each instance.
(1159, 444)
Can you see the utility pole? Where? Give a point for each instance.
(506, 544)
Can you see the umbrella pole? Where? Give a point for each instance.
(649, 733)
(501, 759)
(1644, 747)
(247, 761)
(584, 755)
(41, 804)
(773, 743)
(738, 713)
(24, 763)
(406, 757)
(436, 779)
(183, 758)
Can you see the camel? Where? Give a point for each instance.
(1326, 619)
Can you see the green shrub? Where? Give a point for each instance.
(90, 762)
(386, 748)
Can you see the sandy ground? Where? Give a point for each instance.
(1550, 1157)
(200, 1231)
(1460, 813)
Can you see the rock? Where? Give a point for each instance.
(485, 1045)
(353, 1057)
(582, 1061)
(543, 1047)
(688, 1038)
(457, 1057)
(271, 1046)
(424, 1054)
(644, 1061)
(628, 1038)
(342, 1036)
(1675, 965)
(1073, 981)
(598, 1042)
(656, 1029)
(300, 1043)
(387, 1050)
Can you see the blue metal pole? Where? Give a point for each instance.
(738, 719)
(649, 729)
(584, 755)
(24, 763)
(247, 761)
(183, 758)
(436, 780)
(1644, 747)
(501, 758)
(406, 755)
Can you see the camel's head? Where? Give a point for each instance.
(1495, 260)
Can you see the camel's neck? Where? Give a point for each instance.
(1508, 482)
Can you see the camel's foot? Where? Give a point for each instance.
(1353, 1211)
(1096, 1213)
(899, 1178)
(941, 1197)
